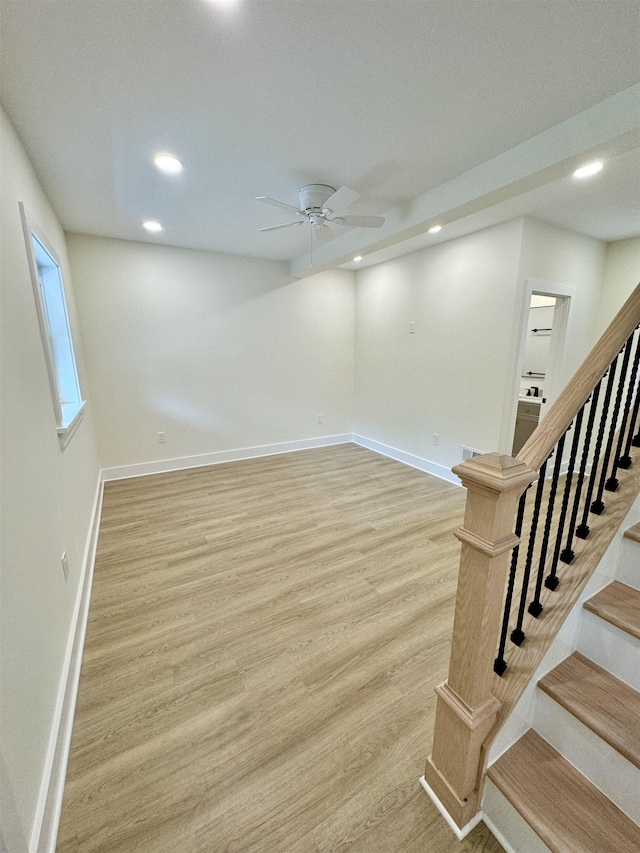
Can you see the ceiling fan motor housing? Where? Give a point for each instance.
(312, 198)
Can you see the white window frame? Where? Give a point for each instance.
(68, 412)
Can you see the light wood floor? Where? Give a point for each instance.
(263, 643)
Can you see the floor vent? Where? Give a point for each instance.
(469, 452)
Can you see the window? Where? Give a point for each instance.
(51, 304)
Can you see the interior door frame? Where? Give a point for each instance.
(563, 294)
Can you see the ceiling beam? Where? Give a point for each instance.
(605, 130)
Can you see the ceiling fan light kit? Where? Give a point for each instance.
(317, 204)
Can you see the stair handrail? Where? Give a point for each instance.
(497, 484)
(577, 391)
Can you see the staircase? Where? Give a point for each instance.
(544, 672)
(572, 781)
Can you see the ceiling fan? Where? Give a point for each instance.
(317, 206)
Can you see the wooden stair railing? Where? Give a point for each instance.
(587, 434)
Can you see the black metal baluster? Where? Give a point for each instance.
(568, 551)
(518, 635)
(551, 581)
(588, 506)
(612, 483)
(567, 555)
(535, 608)
(624, 461)
(500, 665)
(598, 505)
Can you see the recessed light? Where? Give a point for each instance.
(588, 170)
(225, 4)
(358, 258)
(434, 229)
(152, 225)
(168, 163)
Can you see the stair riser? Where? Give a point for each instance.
(521, 717)
(628, 570)
(605, 768)
(610, 647)
(508, 825)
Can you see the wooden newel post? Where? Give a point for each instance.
(466, 710)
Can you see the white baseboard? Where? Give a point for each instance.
(497, 834)
(45, 828)
(418, 462)
(460, 834)
(12, 838)
(162, 466)
(564, 467)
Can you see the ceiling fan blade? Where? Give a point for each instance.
(277, 203)
(323, 233)
(341, 199)
(362, 221)
(285, 225)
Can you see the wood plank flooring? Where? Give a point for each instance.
(263, 642)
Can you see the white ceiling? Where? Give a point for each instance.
(394, 98)
(607, 208)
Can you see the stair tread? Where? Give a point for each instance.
(618, 604)
(633, 533)
(608, 706)
(568, 813)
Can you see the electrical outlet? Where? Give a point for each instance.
(320, 419)
(436, 438)
(65, 565)
(161, 438)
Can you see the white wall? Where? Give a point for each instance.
(217, 351)
(457, 375)
(621, 276)
(564, 257)
(570, 263)
(45, 506)
(449, 376)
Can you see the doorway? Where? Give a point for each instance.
(540, 357)
(535, 368)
